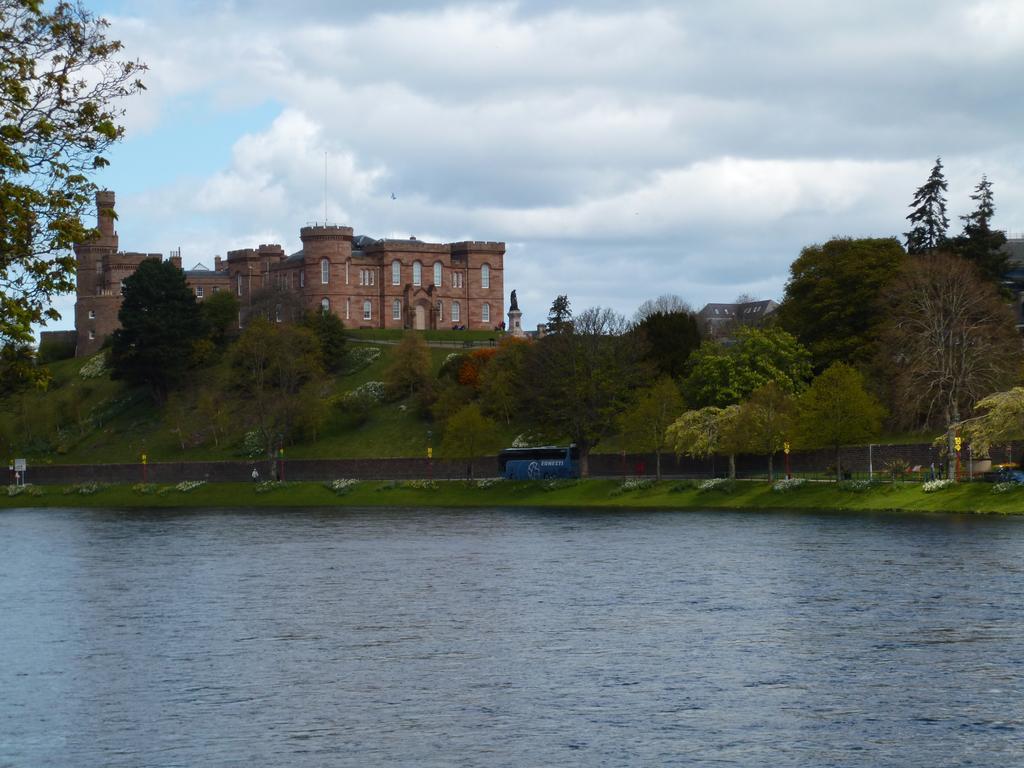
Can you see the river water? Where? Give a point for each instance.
(509, 638)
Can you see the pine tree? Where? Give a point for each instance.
(978, 242)
(560, 315)
(928, 222)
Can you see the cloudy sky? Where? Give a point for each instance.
(621, 149)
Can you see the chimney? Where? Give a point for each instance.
(105, 212)
(217, 264)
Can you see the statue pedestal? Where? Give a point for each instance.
(515, 325)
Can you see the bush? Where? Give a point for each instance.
(359, 357)
(1004, 487)
(341, 487)
(188, 485)
(420, 485)
(270, 485)
(788, 484)
(857, 486)
(94, 367)
(633, 484)
(937, 485)
(720, 484)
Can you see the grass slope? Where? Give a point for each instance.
(588, 494)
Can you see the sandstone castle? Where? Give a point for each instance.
(368, 283)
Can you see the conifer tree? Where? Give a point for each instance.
(978, 242)
(928, 221)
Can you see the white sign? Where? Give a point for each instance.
(19, 465)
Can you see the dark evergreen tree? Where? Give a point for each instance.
(560, 315)
(928, 221)
(331, 332)
(978, 242)
(160, 325)
(670, 337)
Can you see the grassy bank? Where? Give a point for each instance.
(588, 494)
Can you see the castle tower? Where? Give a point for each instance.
(326, 266)
(96, 304)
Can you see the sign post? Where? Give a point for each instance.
(958, 444)
(20, 465)
(785, 450)
(144, 467)
(280, 459)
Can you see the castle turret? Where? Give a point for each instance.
(96, 305)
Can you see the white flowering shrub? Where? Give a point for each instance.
(94, 367)
(857, 486)
(788, 484)
(341, 487)
(720, 484)
(269, 485)
(372, 391)
(557, 484)
(252, 444)
(187, 486)
(24, 490)
(420, 485)
(633, 484)
(361, 356)
(1004, 487)
(145, 488)
(487, 482)
(937, 485)
(84, 489)
(450, 358)
(525, 440)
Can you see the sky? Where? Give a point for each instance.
(622, 150)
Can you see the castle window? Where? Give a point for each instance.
(437, 274)
(348, 307)
(122, 287)
(325, 271)
(396, 273)
(92, 334)
(485, 277)
(485, 313)
(92, 314)
(238, 283)
(367, 307)
(417, 273)
(199, 291)
(302, 279)
(277, 313)
(215, 289)
(457, 279)
(456, 311)
(396, 309)
(347, 263)
(325, 304)
(440, 311)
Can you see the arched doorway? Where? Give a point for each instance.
(419, 317)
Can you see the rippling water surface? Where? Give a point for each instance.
(298, 638)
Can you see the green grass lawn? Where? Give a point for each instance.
(586, 494)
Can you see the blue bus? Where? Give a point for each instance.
(549, 461)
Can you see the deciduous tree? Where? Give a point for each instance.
(950, 341)
(644, 427)
(670, 340)
(832, 297)
(577, 381)
(469, 435)
(666, 304)
(837, 410)
(722, 374)
(409, 371)
(767, 420)
(706, 432)
(62, 85)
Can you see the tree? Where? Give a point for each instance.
(409, 371)
(61, 87)
(331, 333)
(644, 426)
(979, 243)
(160, 325)
(666, 304)
(950, 341)
(670, 340)
(706, 432)
(220, 313)
(832, 303)
(767, 419)
(1002, 421)
(276, 368)
(469, 434)
(18, 370)
(500, 386)
(560, 315)
(837, 410)
(723, 374)
(927, 217)
(577, 381)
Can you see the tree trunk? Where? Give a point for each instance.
(839, 465)
(584, 462)
(732, 466)
(657, 465)
(771, 472)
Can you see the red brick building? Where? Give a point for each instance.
(368, 283)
